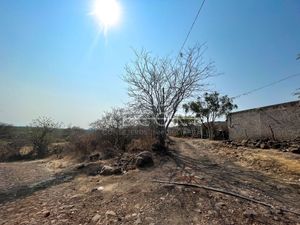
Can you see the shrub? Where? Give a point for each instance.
(41, 129)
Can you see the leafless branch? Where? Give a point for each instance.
(158, 85)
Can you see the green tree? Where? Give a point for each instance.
(210, 107)
(185, 123)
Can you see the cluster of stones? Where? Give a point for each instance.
(285, 146)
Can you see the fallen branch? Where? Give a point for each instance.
(224, 192)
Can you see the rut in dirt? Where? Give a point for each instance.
(231, 177)
(26, 190)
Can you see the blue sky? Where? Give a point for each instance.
(53, 62)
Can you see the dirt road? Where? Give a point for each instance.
(16, 174)
(133, 198)
(220, 170)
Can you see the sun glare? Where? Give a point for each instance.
(106, 12)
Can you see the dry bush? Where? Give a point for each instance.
(8, 153)
(83, 144)
(41, 130)
(116, 132)
(26, 151)
(141, 143)
(5, 131)
(13, 151)
(129, 139)
(86, 144)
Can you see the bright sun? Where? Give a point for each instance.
(106, 12)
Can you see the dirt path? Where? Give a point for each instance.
(20, 179)
(217, 171)
(133, 198)
(16, 174)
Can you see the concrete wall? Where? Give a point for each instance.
(280, 121)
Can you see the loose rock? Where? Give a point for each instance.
(250, 213)
(92, 169)
(98, 189)
(138, 221)
(46, 214)
(220, 205)
(96, 218)
(144, 160)
(110, 213)
(108, 170)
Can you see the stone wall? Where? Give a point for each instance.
(281, 122)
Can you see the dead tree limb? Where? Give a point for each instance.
(226, 193)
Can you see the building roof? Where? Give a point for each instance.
(293, 103)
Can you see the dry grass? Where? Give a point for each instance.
(284, 161)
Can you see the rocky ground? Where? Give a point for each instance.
(269, 176)
(292, 146)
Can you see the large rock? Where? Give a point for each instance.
(103, 154)
(264, 146)
(276, 145)
(109, 170)
(258, 143)
(91, 169)
(144, 160)
(294, 150)
(94, 156)
(245, 142)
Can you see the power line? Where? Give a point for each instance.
(191, 28)
(267, 85)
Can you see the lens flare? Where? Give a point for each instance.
(106, 12)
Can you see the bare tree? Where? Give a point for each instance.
(159, 85)
(111, 126)
(41, 128)
(112, 119)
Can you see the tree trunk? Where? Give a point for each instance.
(162, 134)
(211, 132)
(161, 130)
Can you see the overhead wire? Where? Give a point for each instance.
(266, 86)
(242, 94)
(190, 30)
